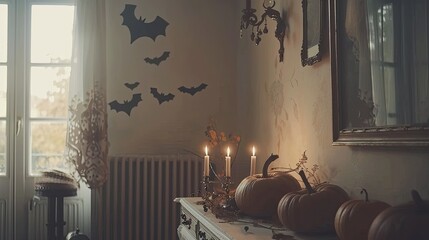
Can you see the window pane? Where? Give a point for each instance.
(3, 33)
(49, 91)
(3, 90)
(388, 34)
(47, 145)
(51, 33)
(2, 147)
(390, 95)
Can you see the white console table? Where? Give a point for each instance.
(197, 224)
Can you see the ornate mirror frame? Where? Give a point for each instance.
(312, 31)
(407, 135)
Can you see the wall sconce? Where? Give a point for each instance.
(250, 19)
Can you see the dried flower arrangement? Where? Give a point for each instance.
(218, 141)
(311, 173)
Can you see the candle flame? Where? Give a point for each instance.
(207, 151)
(227, 152)
(253, 150)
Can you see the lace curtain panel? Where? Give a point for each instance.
(87, 142)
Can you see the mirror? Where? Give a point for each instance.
(312, 29)
(380, 72)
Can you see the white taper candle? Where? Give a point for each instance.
(227, 164)
(253, 163)
(207, 163)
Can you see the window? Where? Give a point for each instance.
(384, 65)
(387, 59)
(3, 85)
(35, 62)
(49, 74)
(46, 68)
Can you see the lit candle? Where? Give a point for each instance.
(253, 163)
(227, 164)
(206, 163)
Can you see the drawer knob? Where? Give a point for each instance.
(202, 235)
(186, 221)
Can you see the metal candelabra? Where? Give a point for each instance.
(209, 197)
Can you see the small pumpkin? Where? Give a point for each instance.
(311, 210)
(354, 217)
(405, 221)
(259, 194)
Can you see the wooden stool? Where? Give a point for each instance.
(56, 222)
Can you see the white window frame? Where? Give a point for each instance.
(29, 119)
(10, 69)
(18, 119)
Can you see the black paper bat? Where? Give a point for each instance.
(127, 106)
(161, 97)
(131, 85)
(158, 60)
(140, 28)
(193, 90)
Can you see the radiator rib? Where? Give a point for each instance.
(138, 196)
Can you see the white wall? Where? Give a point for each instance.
(200, 39)
(285, 108)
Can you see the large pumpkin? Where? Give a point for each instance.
(311, 210)
(403, 222)
(354, 217)
(258, 195)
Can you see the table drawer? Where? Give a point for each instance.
(205, 234)
(189, 221)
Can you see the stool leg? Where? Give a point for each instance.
(51, 218)
(60, 218)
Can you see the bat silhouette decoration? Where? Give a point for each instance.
(126, 106)
(161, 97)
(140, 28)
(131, 85)
(193, 90)
(158, 60)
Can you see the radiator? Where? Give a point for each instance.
(3, 216)
(137, 201)
(38, 217)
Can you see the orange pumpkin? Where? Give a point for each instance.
(311, 210)
(258, 195)
(354, 217)
(405, 221)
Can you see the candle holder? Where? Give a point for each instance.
(229, 201)
(215, 199)
(206, 194)
(249, 18)
(225, 186)
(205, 185)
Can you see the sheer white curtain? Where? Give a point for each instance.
(87, 142)
(397, 48)
(356, 25)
